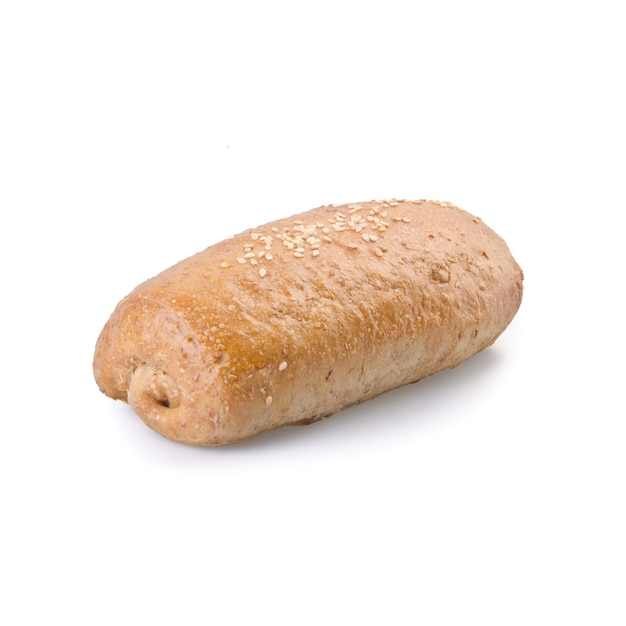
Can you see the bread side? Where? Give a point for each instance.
(294, 320)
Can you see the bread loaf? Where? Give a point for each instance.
(294, 320)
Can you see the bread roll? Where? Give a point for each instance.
(294, 320)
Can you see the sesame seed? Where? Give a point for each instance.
(224, 264)
(240, 260)
(255, 236)
(268, 400)
(298, 254)
(316, 252)
(262, 272)
(373, 237)
(248, 255)
(282, 366)
(352, 246)
(268, 257)
(365, 236)
(327, 239)
(378, 252)
(261, 254)
(253, 261)
(406, 220)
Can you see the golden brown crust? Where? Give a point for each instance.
(294, 320)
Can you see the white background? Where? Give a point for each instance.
(133, 134)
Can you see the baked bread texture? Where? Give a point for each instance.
(294, 320)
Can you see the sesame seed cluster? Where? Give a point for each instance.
(308, 240)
